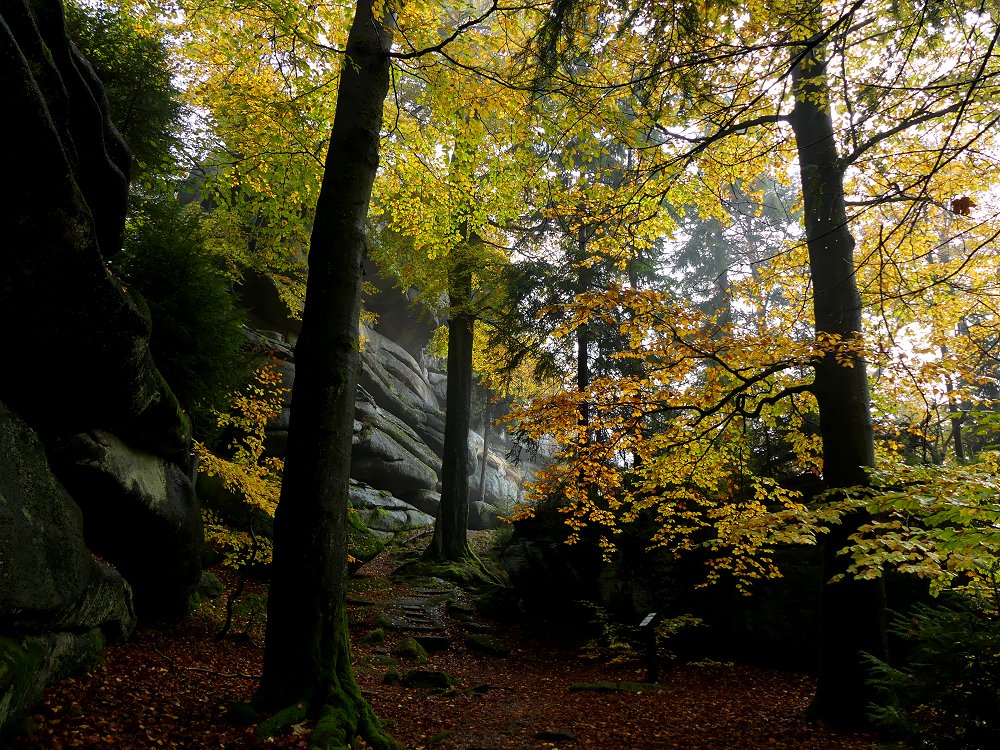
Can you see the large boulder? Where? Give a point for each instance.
(383, 513)
(29, 663)
(140, 513)
(428, 501)
(57, 603)
(388, 454)
(48, 579)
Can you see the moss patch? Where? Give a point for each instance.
(409, 648)
(27, 665)
(362, 544)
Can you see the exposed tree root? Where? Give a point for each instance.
(344, 716)
(469, 571)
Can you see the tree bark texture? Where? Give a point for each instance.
(307, 656)
(487, 434)
(450, 540)
(852, 610)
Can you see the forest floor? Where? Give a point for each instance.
(172, 687)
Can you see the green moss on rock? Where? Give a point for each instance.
(362, 544)
(28, 665)
(409, 648)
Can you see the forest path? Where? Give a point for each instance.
(514, 686)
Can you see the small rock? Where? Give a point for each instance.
(422, 678)
(209, 586)
(374, 637)
(487, 644)
(409, 648)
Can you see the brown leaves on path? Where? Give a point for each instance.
(172, 688)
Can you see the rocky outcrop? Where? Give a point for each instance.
(29, 663)
(396, 382)
(48, 579)
(388, 454)
(383, 513)
(60, 224)
(83, 368)
(141, 513)
(57, 602)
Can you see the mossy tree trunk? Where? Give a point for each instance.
(307, 666)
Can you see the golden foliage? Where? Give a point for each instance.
(247, 473)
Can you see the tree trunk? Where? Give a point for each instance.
(450, 540)
(583, 334)
(487, 434)
(307, 666)
(852, 610)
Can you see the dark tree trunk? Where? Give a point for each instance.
(852, 610)
(487, 434)
(307, 655)
(450, 540)
(583, 334)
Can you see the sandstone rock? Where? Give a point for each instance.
(48, 579)
(484, 516)
(62, 222)
(381, 511)
(388, 455)
(396, 382)
(140, 513)
(30, 663)
(427, 501)
(363, 544)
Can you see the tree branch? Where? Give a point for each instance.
(439, 47)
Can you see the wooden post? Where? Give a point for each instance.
(648, 630)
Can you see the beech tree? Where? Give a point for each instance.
(307, 665)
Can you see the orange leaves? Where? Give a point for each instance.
(668, 434)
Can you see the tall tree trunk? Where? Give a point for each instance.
(487, 434)
(583, 332)
(306, 654)
(852, 610)
(450, 540)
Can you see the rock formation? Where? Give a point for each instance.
(399, 419)
(93, 447)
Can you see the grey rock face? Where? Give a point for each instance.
(48, 580)
(140, 513)
(381, 511)
(426, 500)
(484, 516)
(388, 455)
(398, 384)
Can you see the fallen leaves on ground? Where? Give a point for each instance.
(173, 687)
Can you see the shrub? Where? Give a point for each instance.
(946, 693)
(197, 340)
